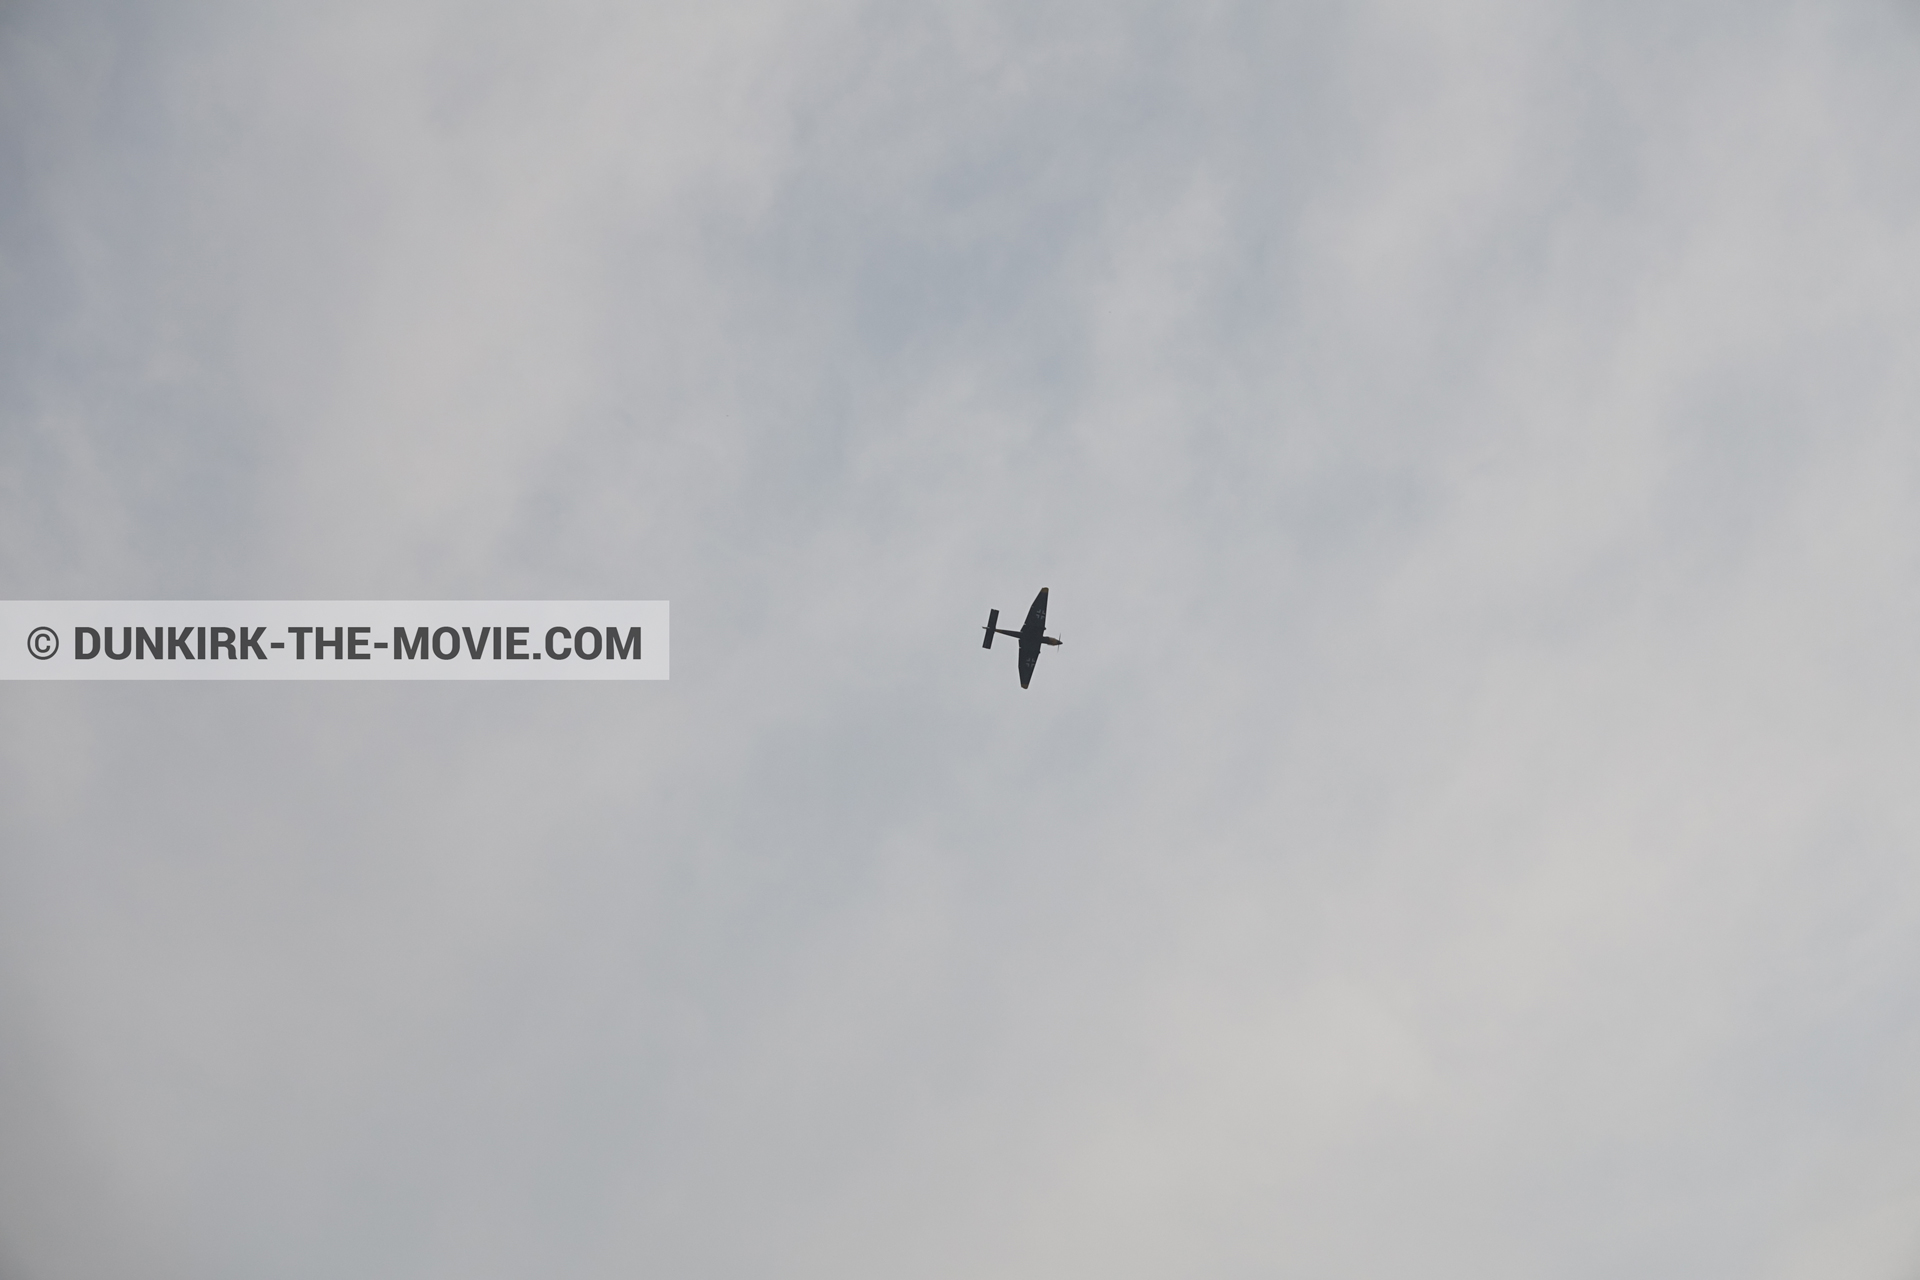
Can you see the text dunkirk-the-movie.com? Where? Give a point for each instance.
(333, 640)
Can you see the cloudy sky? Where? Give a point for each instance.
(1470, 831)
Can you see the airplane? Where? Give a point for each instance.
(1031, 636)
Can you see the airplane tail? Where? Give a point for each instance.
(993, 620)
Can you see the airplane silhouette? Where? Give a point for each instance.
(1031, 636)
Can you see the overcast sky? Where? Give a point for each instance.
(1471, 829)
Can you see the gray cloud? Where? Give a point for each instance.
(1468, 829)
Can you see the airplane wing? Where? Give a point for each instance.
(1037, 616)
(1029, 654)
